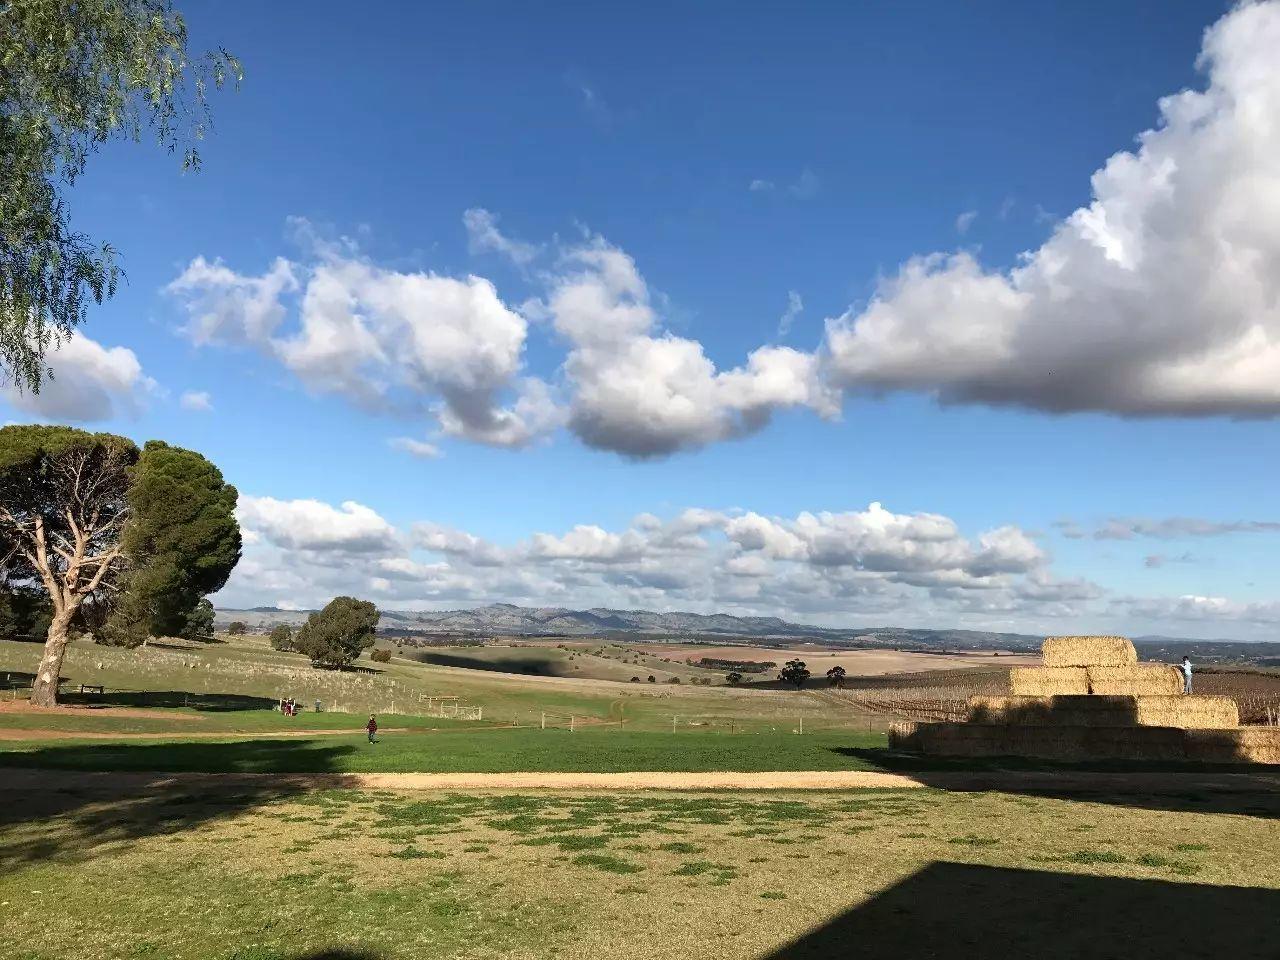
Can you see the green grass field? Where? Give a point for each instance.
(380, 876)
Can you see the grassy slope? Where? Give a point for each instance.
(965, 876)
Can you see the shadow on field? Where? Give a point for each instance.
(531, 666)
(212, 702)
(340, 954)
(966, 912)
(1199, 797)
(44, 814)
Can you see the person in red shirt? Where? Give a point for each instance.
(372, 727)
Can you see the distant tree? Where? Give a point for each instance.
(795, 672)
(652, 678)
(198, 623)
(75, 74)
(733, 679)
(336, 635)
(237, 627)
(635, 679)
(835, 676)
(673, 680)
(63, 508)
(282, 637)
(380, 656)
(25, 612)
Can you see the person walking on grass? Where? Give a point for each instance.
(1186, 674)
(372, 727)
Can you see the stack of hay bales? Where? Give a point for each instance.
(1092, 700)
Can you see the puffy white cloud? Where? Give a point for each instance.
(197, 401)
(1161, 297)
(89, 382)
(227, 307)
(386, 339)
(315, 525)
(643, 392)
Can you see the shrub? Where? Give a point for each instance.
(336, 635)
(282, 637)
(380, 656)
(237, 628)
(652, 678)
(733, 679)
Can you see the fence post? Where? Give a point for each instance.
(572, 718)
(802, 723)
(544, 720)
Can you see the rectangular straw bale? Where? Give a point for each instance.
(1188, 712)
(1055, 743)
(1144, 679)
(1241, 745)
(1048, 681)
(1063, 711)
(1088, 652)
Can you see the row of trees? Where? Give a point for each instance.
(99, 536)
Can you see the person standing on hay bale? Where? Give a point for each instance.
(372, 727)
(1186, 674)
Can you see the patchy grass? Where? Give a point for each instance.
(269, 873)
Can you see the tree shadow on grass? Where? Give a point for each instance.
(212, 702)
(1115, 782)
(46, 814)
(967, 912)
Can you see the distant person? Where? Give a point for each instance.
(372, 727)
(1186, 674)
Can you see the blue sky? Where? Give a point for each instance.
(769, 263)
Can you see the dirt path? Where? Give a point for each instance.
(19, 779)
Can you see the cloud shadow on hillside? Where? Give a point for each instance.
(968, 912)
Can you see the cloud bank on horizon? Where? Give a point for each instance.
(872, 564)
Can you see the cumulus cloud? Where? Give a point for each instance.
(644, 392)
(316, 526)
(406, 342)
(1161, 297)
(89, 383)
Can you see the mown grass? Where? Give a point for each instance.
(225, 876)
(496, 751)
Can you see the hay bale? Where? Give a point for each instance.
(1242, 745)
(1063, 711)
(1140, 680)
(1052, 743)
(1088, 652)
(1048, 681)
(1188, 712)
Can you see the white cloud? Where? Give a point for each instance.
(794, 307)
(483, 236)
(644, 392)
(1174, 528)
(413, 342)
(316, 526)
(806, 185)
(965, 220)
(760, 186)
(1161, 297)
(89, 383)
(197, 401)
(416, 448)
